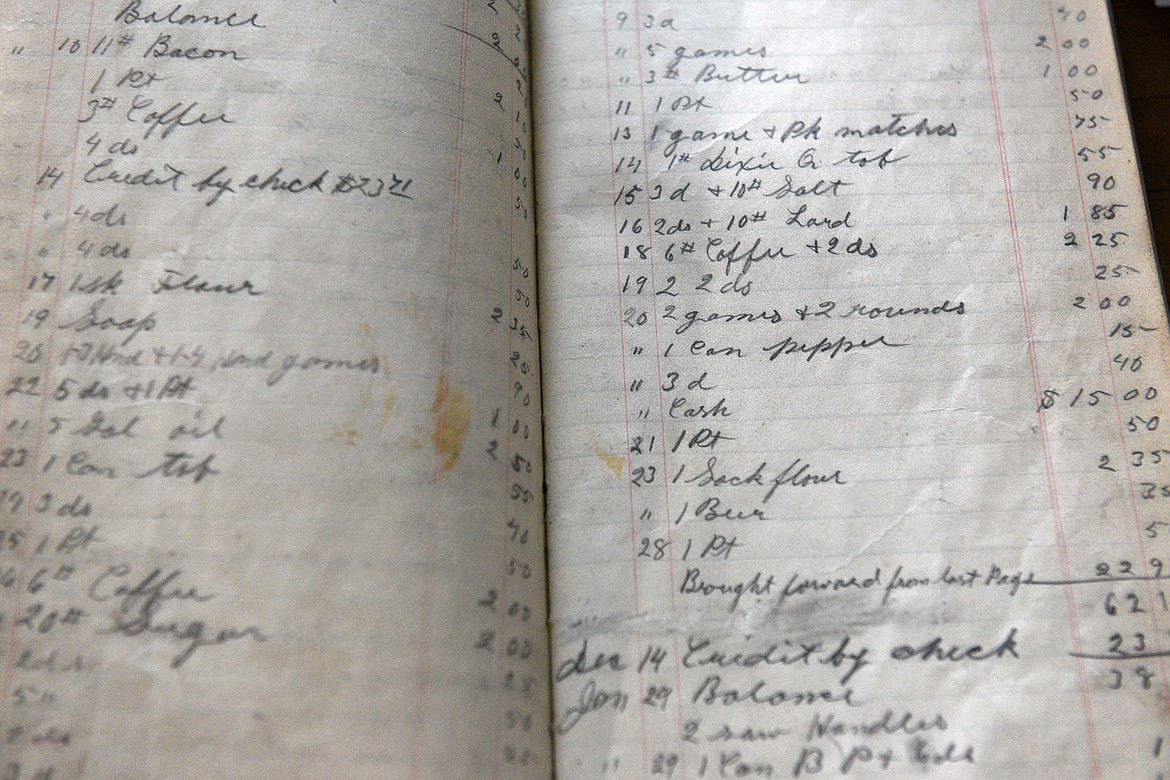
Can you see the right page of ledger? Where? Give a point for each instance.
(855, 380)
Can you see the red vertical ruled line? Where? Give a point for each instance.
(625, 380)
(423, 675)
(10, 650)
(1034, 362)
(508, 379)
(1137, 520)
(658, 388)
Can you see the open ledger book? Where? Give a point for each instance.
(841, 428)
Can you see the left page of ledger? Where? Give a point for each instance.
(270, 464)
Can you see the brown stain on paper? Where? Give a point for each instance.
(387, 408)
(452, 421)
(612, 461)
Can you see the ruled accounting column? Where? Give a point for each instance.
(55, 237)
(1112, 482)
(655, 716)
(513, 626)
(1127, 648)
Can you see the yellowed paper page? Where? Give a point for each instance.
(855, 371)
(270, 466)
